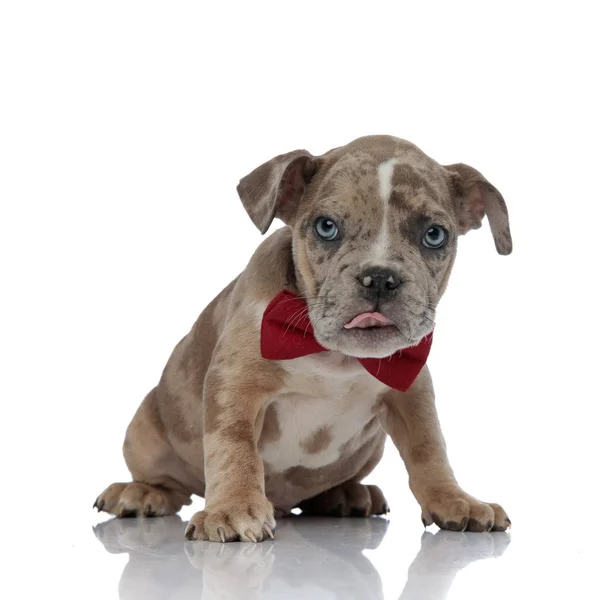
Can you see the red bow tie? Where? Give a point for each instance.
(287, 332)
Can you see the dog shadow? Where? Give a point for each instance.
(311, 558)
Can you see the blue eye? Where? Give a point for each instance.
(435, 237)
(326, 229)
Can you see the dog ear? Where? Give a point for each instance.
(275, 188)
(475, 197)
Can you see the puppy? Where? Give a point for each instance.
(283, 392)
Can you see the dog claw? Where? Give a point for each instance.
(221, 533)
(269, 531)
(507, 525)
(251, 536)
(189, 532)
(98, 504)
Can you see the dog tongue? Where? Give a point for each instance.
(365, 320)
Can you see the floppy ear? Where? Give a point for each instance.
(275, 188)
(475, 197)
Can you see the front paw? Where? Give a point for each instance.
(249, 519)
(453, 509)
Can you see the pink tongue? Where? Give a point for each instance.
(365, 320)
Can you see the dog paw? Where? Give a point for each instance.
(138, 499)
(247, 519)
(347, 500)
(454, 510)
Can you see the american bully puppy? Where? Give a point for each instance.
(283, 392)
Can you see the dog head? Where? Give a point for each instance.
(375, 227)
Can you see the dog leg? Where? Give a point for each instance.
(236, 506)
(350, 499)
(162, 482)
(411, 420)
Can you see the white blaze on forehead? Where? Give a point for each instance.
(385, 172)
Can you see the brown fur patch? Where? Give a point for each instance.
(423, 452)
(318, 441)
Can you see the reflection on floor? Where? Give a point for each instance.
(310, 558)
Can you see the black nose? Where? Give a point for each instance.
(379, 282)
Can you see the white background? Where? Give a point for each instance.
(124, 129)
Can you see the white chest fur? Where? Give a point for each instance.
(327, 402)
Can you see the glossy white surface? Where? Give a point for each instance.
(359, 559)
(311, 558)
(314, 559)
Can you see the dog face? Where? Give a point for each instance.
(375, 227)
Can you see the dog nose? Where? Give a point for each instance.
(379, 281)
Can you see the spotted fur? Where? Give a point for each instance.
(253, 435)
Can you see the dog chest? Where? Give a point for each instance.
(320, 415)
